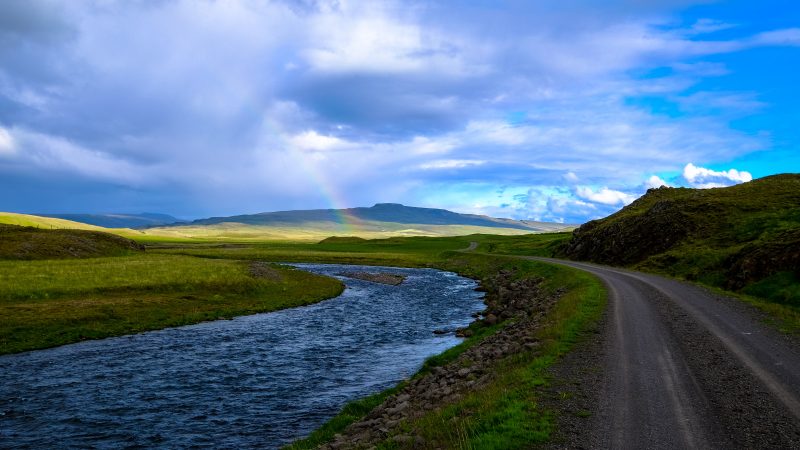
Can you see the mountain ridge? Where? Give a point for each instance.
(380, 212)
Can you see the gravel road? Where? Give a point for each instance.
(682, 367)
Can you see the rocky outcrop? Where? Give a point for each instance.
(623, 239)
(756, 262)
(523, 300)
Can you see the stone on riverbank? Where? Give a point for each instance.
(383, 278)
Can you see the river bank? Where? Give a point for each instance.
(487, 389)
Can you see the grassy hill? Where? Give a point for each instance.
(379, 215)
(29, 243)
(299, 230)
(743, 238)
(29, 220)
(118, 220)
(315, 231)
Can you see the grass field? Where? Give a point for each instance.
(54, 302)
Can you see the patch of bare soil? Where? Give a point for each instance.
(260, 269)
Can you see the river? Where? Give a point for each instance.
(256, 381)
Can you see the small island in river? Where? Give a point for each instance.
(383, 278)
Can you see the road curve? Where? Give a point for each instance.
(686, 368)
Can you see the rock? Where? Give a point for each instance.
(491, 319)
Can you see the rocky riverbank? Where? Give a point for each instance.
(519, 305)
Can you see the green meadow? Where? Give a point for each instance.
(46, 303)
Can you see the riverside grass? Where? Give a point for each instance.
(54, 302)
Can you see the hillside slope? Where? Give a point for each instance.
(379, 213)
(118, 220)
(744, 237)
(28, 243)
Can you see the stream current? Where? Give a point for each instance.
(256, 381)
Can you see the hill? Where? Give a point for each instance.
(29, 220)
(27, 243)
(141, 220)
(380, 213)
(744, 237)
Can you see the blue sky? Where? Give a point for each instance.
(551, 110)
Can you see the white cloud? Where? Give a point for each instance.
(451, 164)
(313, 141)
(6, 142)
(700, 177)
(571, 177)
(655, 182)
(604, 195)
(704, 26)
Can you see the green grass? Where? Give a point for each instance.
(54, 302)
(410, 252)
(541, 244)
(507, 413)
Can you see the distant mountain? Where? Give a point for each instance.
(118, 220)
(380, 213)
(744, 237)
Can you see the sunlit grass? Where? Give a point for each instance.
(54, 302)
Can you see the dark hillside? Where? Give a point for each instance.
(744, 237)
(26, 243)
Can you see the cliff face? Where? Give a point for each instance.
(730, 237)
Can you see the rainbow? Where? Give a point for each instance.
(329, 192)
(325, 187)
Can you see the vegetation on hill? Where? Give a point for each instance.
(118, 220)
(28, 243)
(742, 238)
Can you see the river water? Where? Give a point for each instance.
(256, 381)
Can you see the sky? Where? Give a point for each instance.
(560, 111)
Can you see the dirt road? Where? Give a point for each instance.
(685, 368)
